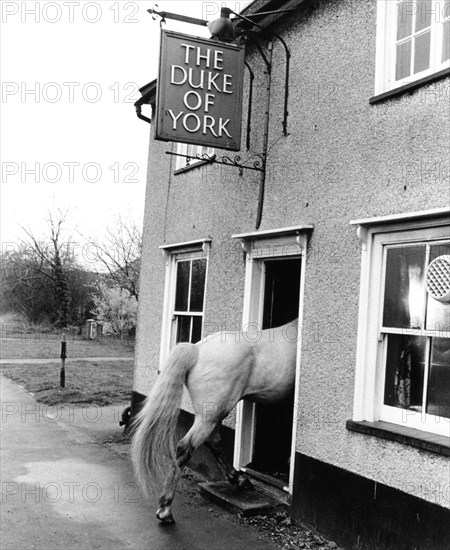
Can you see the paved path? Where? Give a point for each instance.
(56, 360)
(62, 490)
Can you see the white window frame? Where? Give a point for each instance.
(387, 39)
(190, 250)
(375, 235)
(192, 151)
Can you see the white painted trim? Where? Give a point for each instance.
(206, 248)
(359, 398)
(436, 212)
(252, 311)
(416, 420)
(245, 417)
(238, 460)
(186, 244)
(371, 348)
(273, 232)
(386, 43)
(166, 321)
(187, 250)
(381, 54)
(298, 369)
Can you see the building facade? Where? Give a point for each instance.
(354, 240)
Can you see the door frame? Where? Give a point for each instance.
(262, 246)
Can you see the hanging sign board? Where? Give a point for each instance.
(200, 91)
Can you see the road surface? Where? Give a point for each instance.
(62, 490)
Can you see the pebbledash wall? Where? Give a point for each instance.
(343, 159)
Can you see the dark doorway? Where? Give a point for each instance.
(273, 433)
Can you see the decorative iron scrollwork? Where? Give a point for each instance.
(248, 164)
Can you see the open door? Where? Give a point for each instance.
(273, 422)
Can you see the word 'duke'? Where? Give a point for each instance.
(200, 92)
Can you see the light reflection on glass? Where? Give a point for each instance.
(404, 291)
(415, 295)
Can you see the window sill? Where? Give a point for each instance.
(196, 164)
(422, 440)
(409, 88)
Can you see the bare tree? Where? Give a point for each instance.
(119, 253)
(39, 277)
(24, 289)
(51, 262)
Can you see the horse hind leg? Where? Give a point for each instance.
(214, 444)
(198, 433)
(164, 512)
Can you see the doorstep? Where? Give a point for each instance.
(247, 502)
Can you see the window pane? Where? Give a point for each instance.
(422, 52)
(438, 401)
(198, 285)
(438, 313)
(404, 287)
(446, 42)
(405, 365)
(196, 329)
(403, 64)
(183, 328)
(404, 19)
(182, 290)
(423, 14)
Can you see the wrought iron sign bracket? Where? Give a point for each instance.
(264, 57)
(201, 22)
(257, 165)
(269, 64)
(261, 159)
(176, 17)
(250, 103)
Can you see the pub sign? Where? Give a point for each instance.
(200, 91)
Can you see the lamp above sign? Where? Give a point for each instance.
(200, 91)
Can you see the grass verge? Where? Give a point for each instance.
(49, 347)
(87, 383)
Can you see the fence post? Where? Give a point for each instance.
(62, 374)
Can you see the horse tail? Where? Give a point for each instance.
(153, 439)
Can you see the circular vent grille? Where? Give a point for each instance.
(438, 278)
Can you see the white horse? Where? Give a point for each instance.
(218, 372)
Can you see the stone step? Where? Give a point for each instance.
(247, 502)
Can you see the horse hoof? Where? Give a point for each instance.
(169, 520)
(165, 516)
(244, 483)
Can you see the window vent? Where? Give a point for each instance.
(438, 278)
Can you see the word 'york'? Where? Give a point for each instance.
(209, 81)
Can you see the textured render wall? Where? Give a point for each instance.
(352, 160)
(343, 159)
(151, 287)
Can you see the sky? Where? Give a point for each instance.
(70, 138)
